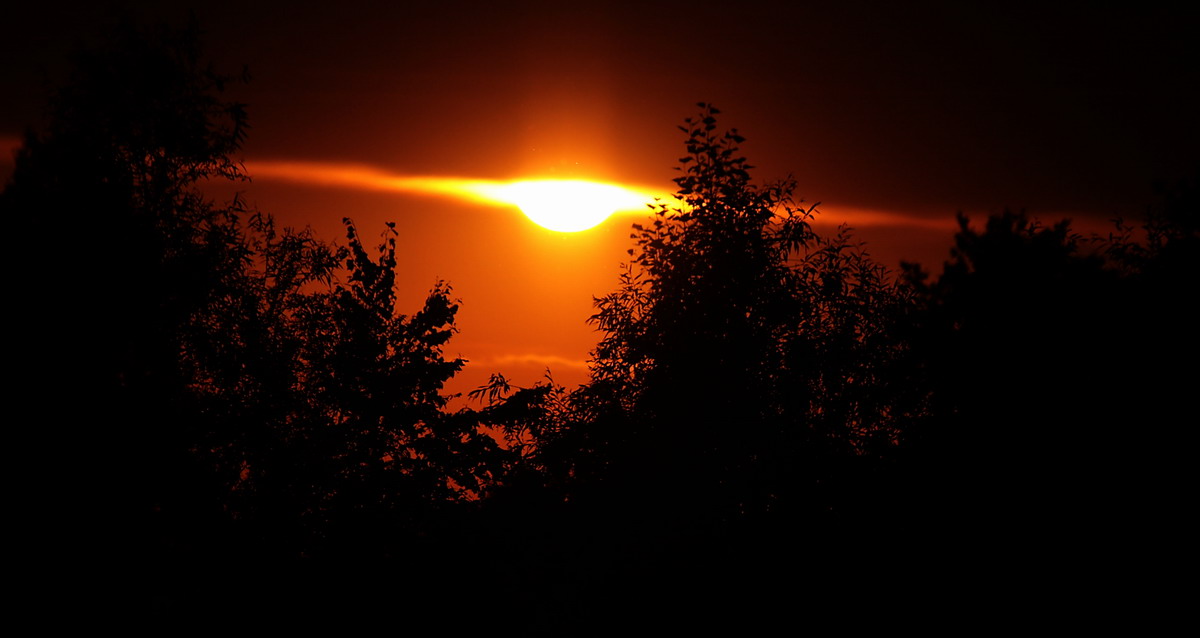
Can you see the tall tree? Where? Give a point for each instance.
(745, 359)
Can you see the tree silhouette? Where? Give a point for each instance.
(1049, 359)
(746, 361)
(377, 378)
(221, 389)
(257, 390)
(137, 251)
(1002, 358)
(325, 407)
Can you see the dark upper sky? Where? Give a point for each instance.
(915, 110)
(925, 107)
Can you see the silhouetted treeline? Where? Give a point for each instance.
(761, 397)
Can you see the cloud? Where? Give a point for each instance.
(539, 360)
(861, 217)
(8, 146)
(359, 176)
(500, 193)
(363, 177)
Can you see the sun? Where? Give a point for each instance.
(569, 206)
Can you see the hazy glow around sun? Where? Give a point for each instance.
(563, 205)
(568, 206)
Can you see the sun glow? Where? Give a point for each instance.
(562, 205)
(568, 206)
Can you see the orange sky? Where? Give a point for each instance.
(526, 291)
(893, 116)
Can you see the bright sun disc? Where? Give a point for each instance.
(568, 206)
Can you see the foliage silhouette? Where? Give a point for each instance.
(1050, 360)
(138, 126)
(265, 395)
(746, 362)
(997, 319)
(334, 421)
(237, 390)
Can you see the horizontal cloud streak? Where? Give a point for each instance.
(859, 217)
(9, 145)
(499, 193)
(540, 360)
(482, 191)
(368, 178)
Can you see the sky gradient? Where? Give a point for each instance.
(893, 117)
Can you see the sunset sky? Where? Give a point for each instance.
(893, 115)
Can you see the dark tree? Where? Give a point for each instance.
(373, 383)
(127, 251)
(747, 365)
(1009, 337)
(325, 412)
(233, 389)
(1053, 362)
